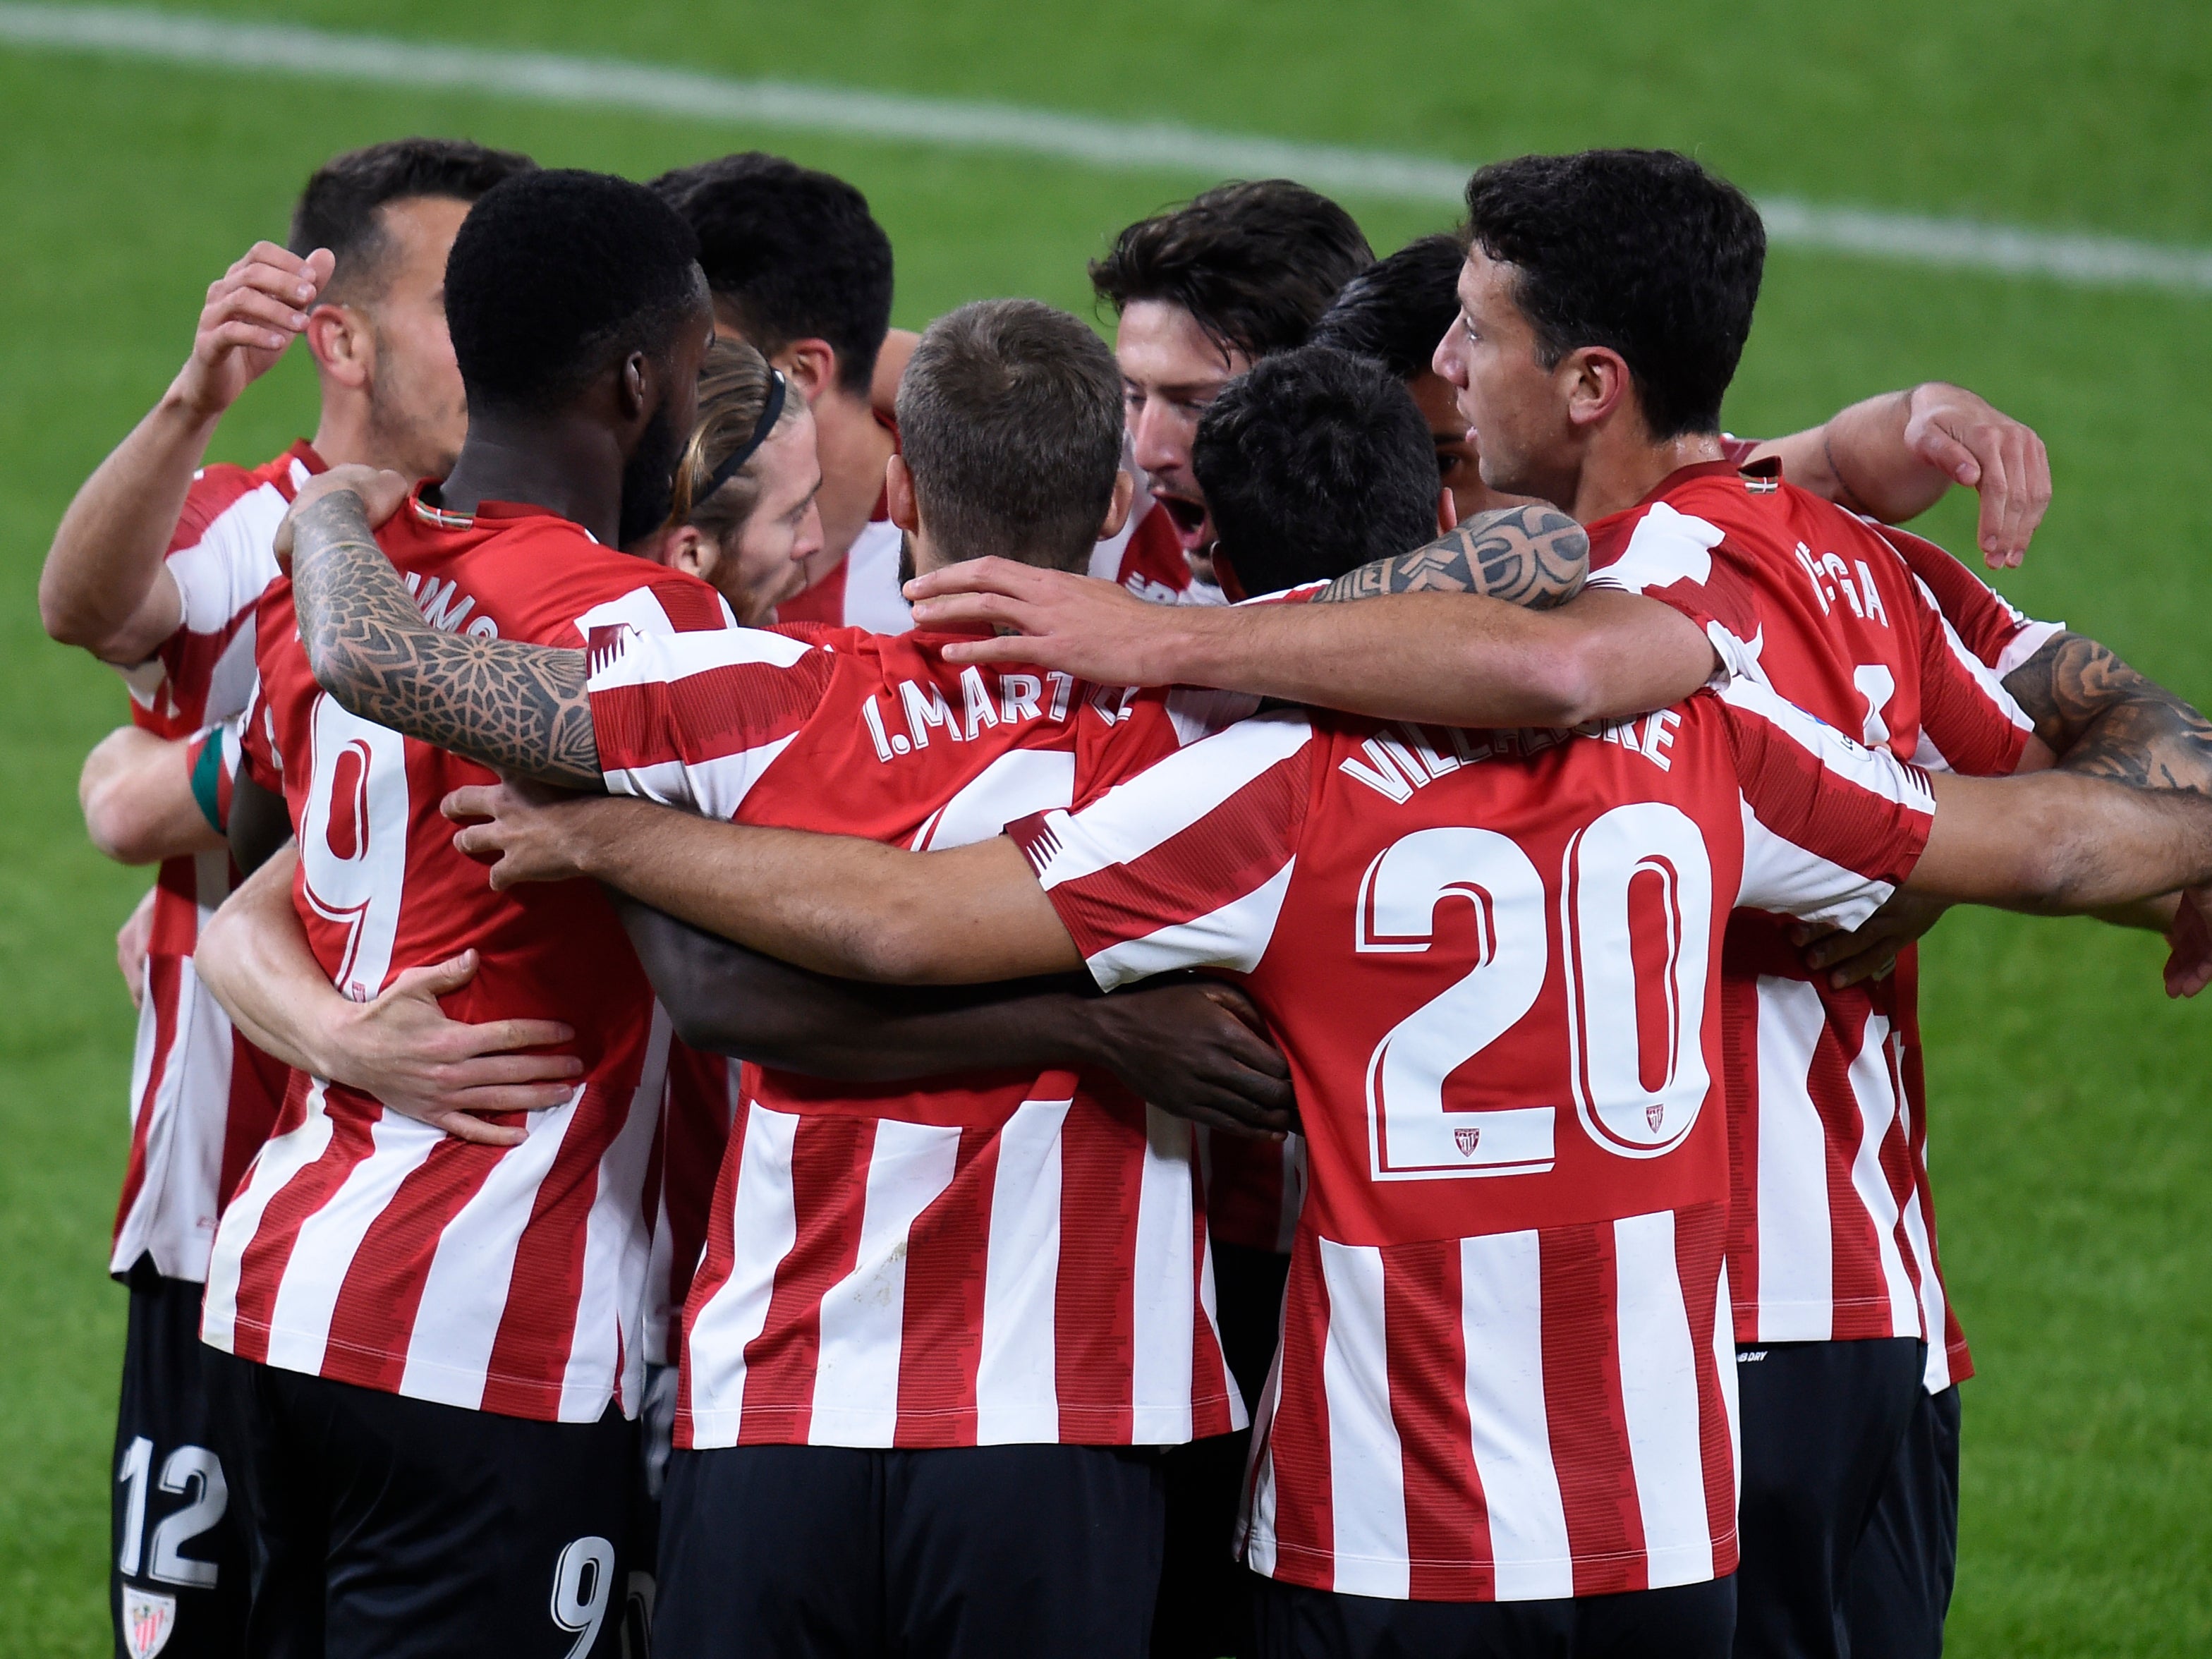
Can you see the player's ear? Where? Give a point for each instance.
(635, 385)
(810, 365)
(1447, 511)
(1595, 380)
(687, 549)
(343, 346)
(1117, 510)
(898, 495)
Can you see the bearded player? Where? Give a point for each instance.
(156, 568)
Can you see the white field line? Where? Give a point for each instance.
(608, 83)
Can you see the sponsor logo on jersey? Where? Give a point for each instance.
(149, 1619)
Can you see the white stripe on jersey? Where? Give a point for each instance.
(1659, 1401)
(1512, 1428)
(1016, 1380)
(171, 1216)
(1235, 935)
(464, 1290)
(1150, 808)
(1992, 683)
(1796, 1249)
(766, 1227)
(1933, 1307)
(1160, 1379)
(872, 599)
(273, 1168)
(1366, 1462)
(714, 787)
(1876, 1087)
(855, 1400)
(307, 1294)
(978, 811)
(617, 1256)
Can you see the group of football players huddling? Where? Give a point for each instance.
(818, 991)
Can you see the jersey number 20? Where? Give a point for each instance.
(1636, 1105)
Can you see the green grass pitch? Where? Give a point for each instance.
(2073, 1144)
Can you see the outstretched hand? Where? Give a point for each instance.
(380, 491)
(1198, 1049)
(1973, 443)
(402, 1048)
(1080, 625)
(253, 311)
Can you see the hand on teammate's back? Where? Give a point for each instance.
(1093, 629)
(1870, 950)
(523, 830)
(401, 1048)
(1198, 1049)
(380, 493)
(253, 311)
(1979, 445)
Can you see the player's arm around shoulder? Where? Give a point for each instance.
(522, 709)
(141, 798)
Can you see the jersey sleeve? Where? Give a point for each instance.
(258, 755)
(2001, 636)
(1830, 827)
(1186, 864)
(694, 719)
(1681, 560)
(1969, 722)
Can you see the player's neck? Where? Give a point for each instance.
(854, 446)
(568, 468)
(1620, 465)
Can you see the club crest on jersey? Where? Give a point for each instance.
(149, 1619)
(1654, 1115)
(1466, 1140)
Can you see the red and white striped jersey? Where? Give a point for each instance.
(862, 591)
(1828, 1237)
(1506, 1370)
(202, 1099)
(1148, 560)
(1000, 1258)
(2004, 638)
(367, 1247)
(697, 1112)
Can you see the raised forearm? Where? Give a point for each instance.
(103, 585)
(520, 708)
(1859, 458)
(727, 999)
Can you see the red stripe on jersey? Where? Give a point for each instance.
(1856, 1255)
(1699, 1241)
(268, 1081)
(1580, 1298)
(390, 1270)
(690, 607)
(1298, 1434)
(1822, 812)
(724, 711)
(548, 1295)
(1446, 1516)
(1102, 1161)
(261, 1268)
(1209, 1370)
(1235, 849)
(163, 974)
(830, 1191)
(941, 1336)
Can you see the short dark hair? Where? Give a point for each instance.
(554, 274)
(1398, 309)
(1254, 265)
(1641, 250)
(793, 253)
(1313, 462)
(1010, 419)
(339, 208)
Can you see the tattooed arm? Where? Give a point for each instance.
(2100, 716)
(1535, 556)
(516, 706)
